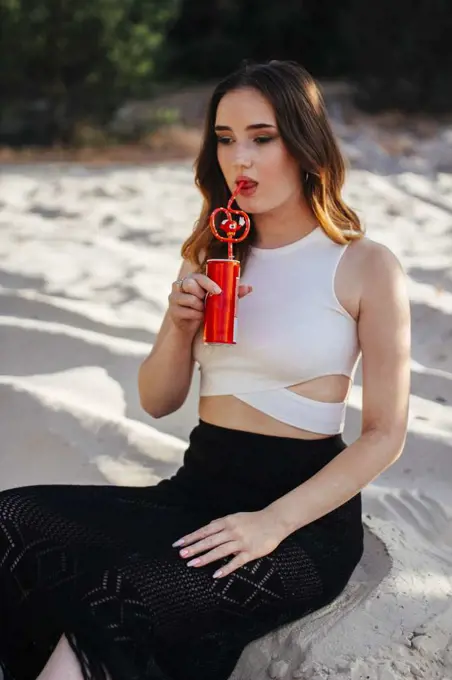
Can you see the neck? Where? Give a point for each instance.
(285, 224)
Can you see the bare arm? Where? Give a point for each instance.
(384, 332)
(165, 376)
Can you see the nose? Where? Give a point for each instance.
(242, 156)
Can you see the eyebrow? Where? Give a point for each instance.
(256, 126)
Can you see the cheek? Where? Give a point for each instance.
(276, 159)
(280, 165)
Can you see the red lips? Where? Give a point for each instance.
(249, 183)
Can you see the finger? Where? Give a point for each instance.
(204, 284)
(207, 530)
(185, 312)
(245, 290)
(206, 544)
(190, 286)
(188, 300)
(237, 562)
(230, 548)
(189, 314)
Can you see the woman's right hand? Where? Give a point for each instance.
(186, 301)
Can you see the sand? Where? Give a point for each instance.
(86, 262)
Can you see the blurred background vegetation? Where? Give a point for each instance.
(72, 70)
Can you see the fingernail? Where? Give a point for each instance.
(179, 542)
(218, 573)
(217, 289)
(192, 563)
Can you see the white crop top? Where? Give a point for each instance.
(291, 329)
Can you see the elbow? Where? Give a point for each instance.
(396, 445)
(151, 410)
(157, 410)
(391, 440)
(148, 404)
(397, 435)
(156, 402)
(400, 436)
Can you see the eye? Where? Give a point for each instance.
(224, 140)
(263, 139)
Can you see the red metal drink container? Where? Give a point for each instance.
(220, 313)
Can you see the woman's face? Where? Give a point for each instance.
(250, 145)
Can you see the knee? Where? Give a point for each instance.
(14, 503)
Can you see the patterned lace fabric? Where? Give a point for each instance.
(96, 563)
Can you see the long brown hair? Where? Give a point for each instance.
(304, 127)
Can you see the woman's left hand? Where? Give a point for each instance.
(247, 535)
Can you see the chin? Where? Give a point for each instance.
(251, 205)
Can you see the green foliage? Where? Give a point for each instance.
(81, 56)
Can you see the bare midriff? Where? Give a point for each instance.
(229, 411)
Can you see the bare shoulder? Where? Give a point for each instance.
(368, 251)
(369, 270)
(376, 265)
(383, 285)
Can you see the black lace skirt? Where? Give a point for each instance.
(96, 563)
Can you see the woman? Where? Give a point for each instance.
(262, 523)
